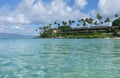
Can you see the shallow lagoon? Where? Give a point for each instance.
(59, 58)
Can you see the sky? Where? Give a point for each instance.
(24, 16)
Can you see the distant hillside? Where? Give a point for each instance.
(9, 35)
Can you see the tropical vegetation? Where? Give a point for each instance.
(63, 29)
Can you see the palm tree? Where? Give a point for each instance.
(73, 21)
(40, 30)
(96, 23)
(79, 21)
(50, 25)
(55, 22)
(99, 17)
(107, 20)
(78, 25)
(45, 28)
(90, 21)
(82, 19)
(70, 22)
(116, 15)
(86, 21)
(101, 23)
(83, 22)
(58, 25)
(64, 23)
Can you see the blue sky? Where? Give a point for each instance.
(14, 3)
(24, 16)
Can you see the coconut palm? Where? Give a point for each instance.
(83, 22)
(50, 25)
(90, 21)
(73, 21)
(79, 21)
(70, 22)
(101, 23)
(86, 21)
(64, 23)
(116, 15)
(55, 22)
(58, 25)
(40, 30)
(99, 17)
(78, 25)
(107, 20)
(45, 28)
(96, 23)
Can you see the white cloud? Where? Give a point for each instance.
(93, 13)
(27, 12)
(31, 12)
(109, 7)
(17, 27)
(81, 3)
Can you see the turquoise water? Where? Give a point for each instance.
(59, 58)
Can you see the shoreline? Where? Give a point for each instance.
(79, 38)
(116, 38)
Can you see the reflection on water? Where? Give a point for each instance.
(59, 58)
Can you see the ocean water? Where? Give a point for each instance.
(59, 58)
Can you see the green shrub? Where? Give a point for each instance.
(116, 22)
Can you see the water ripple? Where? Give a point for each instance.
(59, 58)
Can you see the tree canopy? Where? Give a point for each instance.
(116, 22)
(64, 28)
